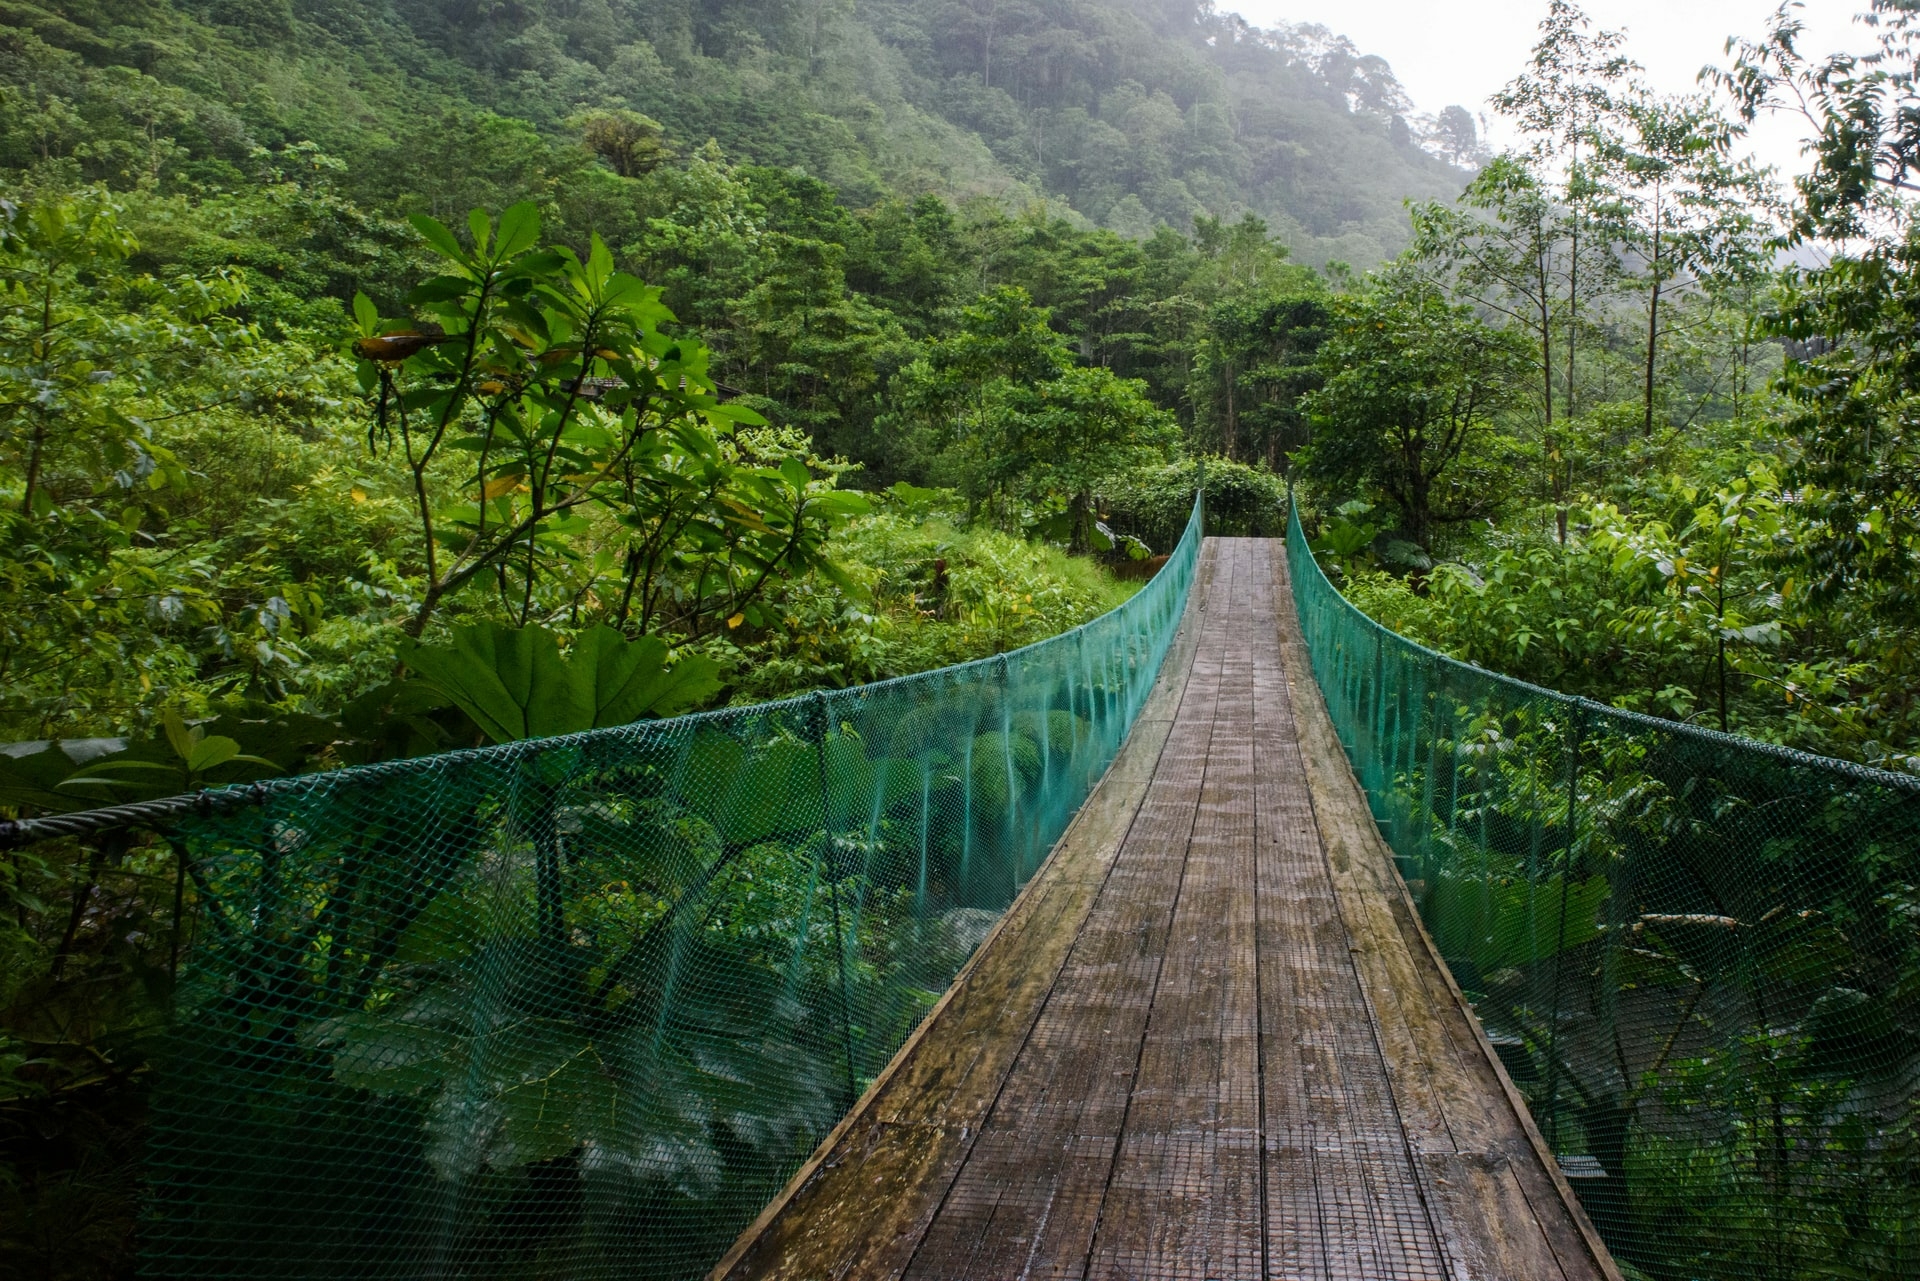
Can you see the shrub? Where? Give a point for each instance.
(1152, 504)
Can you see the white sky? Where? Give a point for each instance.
(1462, 51)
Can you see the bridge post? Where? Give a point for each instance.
(819, 712)
(1576, 726)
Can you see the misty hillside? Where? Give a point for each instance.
(1131, 112)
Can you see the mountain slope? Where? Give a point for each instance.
(1129, 112)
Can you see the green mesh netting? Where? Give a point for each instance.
(578, 1007)
(1698, 956)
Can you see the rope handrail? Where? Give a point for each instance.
(1853, 769)
(580, 1005)
(1697, 954)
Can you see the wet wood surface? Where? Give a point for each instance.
(1210, 1040)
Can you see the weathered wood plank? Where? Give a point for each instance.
(1500, 1202)
(1029, 1196)
(1353, 1203)
(860, 1205)
(1210, 1040)
(1184, 1198)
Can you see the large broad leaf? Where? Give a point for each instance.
(31, 773)
(651, 1095)
(631, 679)
(80, 773)
(519, 230)
(750, 793)
(1506, 922)
(516, 683)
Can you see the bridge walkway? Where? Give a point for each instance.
(1209, 1041)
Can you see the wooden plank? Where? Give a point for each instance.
(1210, 1040)
(1346, 1199)
(860, 1204)
(1184, 1197)
(1030, 1194)
(1502, 1206)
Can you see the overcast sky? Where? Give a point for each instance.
(1461, 51)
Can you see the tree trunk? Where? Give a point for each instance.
(1720, 629)
(1419, 502)
(39, 442)
(1233, 417)
(1546, 388)
(1653, 318)
(1573, 300)
(34, 451)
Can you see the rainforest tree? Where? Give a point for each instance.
(1411, 394)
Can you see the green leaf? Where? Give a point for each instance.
(32, 772)
(515, 683)
(519, 229)
(452, 929)
(840, 502)
(115, 766)
(555, 1105)
(751, 793)
(735, 414)
(397, 1059)
(599, 261)
(439, 289)
(210, 752)
(438, 238)
(638, 298)
(183, 739)
(795, 473)
(366, 317)
(387, 1055)
(498, 676)
(480, 227)
(631, 679)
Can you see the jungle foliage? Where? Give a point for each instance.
(366, 369)
(1687, 491)
(1130, 114)
(378, 381)
(1684, 487)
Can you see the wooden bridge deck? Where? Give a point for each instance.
(1209, 1041)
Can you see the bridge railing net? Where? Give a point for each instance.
(1698, 956)
(578, 1007)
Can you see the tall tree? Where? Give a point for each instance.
(546, 389)
(1690, 209)
(1262, 321)
(1253, 361)
(1561, 102)
(1009, 417)
(1852, 376)
(1506, 246)
(1413, 384)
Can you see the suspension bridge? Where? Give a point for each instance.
(1229, 935)
(1210, 1040)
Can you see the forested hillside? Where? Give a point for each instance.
(1594, 428)
(355, 357)
(853, 208)
(356, 354)
(1129, 113)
